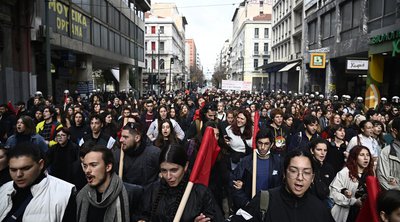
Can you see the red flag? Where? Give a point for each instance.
(206, 157)
(256, 128)
(368, 211)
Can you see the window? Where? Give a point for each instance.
(381, 13)
(111, 36)
(153, 63)
(161, 29)
(103, 37)
(256, 48)
(266, 33)
(153, 30)
(153, 46)
(261, 4)
(350, 14)
(96, 34)
(162, 64)
(265, 61)
(255, 63)
(261, 12)
(162, 46)
(145, 30)
(328, 24)
(145, 63)
(256, 33)
(145, 46)
(265, 48)
(312, 32)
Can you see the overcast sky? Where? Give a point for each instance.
(209, 24)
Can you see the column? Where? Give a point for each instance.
(329, 80)
(124, 78)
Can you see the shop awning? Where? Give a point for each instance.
(288, 67)
(115, 73)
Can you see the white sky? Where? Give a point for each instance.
(209, 24)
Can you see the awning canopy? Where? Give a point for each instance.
(288, 67)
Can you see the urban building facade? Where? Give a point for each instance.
(251, 42)
(352, 48)
(87, 39)
(165, 48)
(287, 20)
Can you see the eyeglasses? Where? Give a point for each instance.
(293, 173)
(261, 144)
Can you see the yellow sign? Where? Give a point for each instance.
(78, 20)
(318, 60)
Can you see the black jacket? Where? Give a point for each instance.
(141, 166)
(200, 201)
(244, 172)
(285, 207)
(61, 159)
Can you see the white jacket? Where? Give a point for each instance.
(50, 199)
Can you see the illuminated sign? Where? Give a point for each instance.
(318, 60)
(393, 36)
(68, 21)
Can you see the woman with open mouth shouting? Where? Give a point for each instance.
(348, 189)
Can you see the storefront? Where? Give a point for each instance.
(384, 64)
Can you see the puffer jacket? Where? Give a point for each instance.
(45, 205)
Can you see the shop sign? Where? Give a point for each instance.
(79, 25)
(318, 60)
(384, 37)
(357, 65)
(393, 36)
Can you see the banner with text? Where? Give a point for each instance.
(236, 85)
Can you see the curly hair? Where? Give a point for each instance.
(351, 163)
(248, 127)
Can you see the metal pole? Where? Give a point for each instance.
(47, 50)
(158, 62)
(170, 74)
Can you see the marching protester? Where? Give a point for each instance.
(388, 170)
(26, 132)
(62, 156)
(296, 121)
(348, 189)
(140, 163)
(161, 199)
(47, 128)
(4, 171)
(290, 202)
(30, 196)
(269, 170)
(105, 197)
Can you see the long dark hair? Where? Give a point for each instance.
(172, 139)
(29, 125)
(176, 154)
(247, 133)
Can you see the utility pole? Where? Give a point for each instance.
(47, 51)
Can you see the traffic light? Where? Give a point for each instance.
(172, 61)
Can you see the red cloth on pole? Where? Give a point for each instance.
(205, 159)
(256, 128)
(368, 211)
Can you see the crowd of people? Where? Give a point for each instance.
(116, 157)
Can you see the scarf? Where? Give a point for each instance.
(112, 199)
